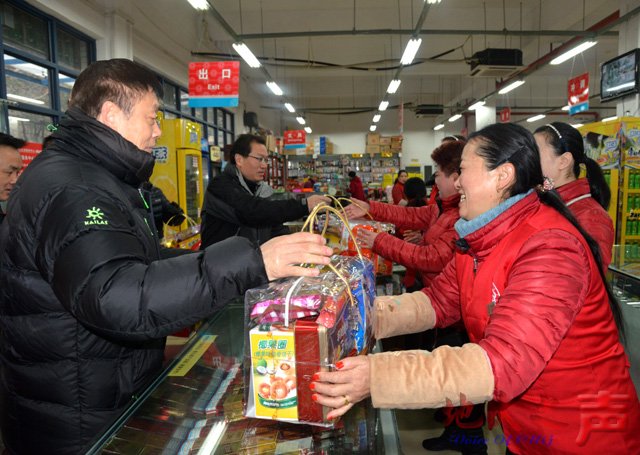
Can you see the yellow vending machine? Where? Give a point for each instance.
(178, 173)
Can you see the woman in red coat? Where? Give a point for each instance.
(355, 186)
(397, 193)
(561, 154)
(543, 323)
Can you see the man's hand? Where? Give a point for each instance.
(282, 255)
(356, 209)
(412, 237)
(366, 238)
(315, 200)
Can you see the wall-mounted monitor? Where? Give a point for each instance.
(619, 76)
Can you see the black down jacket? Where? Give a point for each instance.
(230, 209)
(85, 303)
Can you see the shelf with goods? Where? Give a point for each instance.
(361, 164)
(298, 168)
(630, 215)
(330, 170)
(384, 167)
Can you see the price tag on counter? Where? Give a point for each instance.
(194, 354)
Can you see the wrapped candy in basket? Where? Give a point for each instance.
(296, 327)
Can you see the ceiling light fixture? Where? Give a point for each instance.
(274, 88)
(510, 87)
(572, 52)
(393, 86)
(376, 118)
(455, 117)
(565, 108)
(535, 118)
(300, 120)
(577, 125)
(608, 119)
(438, 127)
(410, 51)
(200, 5)
(383, 106)
(307, 129)
(24, 98)
(289, 107)
(612, 89)
(372, 128)
(475, 106)
(19, 119)
(247, 55)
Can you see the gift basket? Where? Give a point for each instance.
(296, 327)
(338, 236)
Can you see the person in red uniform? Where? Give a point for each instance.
(544, 325)
(397, 193)
(355, 187)
(561, 155)
(435, 221)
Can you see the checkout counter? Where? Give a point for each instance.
(195, 407)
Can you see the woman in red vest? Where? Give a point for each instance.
(561, 156)
(544, 325)
(397, 193)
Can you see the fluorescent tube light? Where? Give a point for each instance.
(199, 4)
(510, 87)
(577, 125)
(565, 108)
(383, 106)
(608, 119)
(438, 127)
(475, 106)
(300, 120)
(571, 52)
(372, 128)
(307, 129)
(410, 51)
(535, 118)
(455, 117)
(289, 107)
(393, 86)
(24, 98)
(19, 119)
(274, 88)
(246, 54)
(376, 118)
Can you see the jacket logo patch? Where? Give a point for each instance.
(96, 217)
(495, 295)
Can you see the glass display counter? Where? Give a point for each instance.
(625, 280)
(195, 407)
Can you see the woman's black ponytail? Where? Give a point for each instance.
(565, 138)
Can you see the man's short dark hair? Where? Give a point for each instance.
(352, 174)
(242, 145)
(10, 141)
(118, 80)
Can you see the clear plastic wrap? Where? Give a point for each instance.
(338, 238)
(296, 327)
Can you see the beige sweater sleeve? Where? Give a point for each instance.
(402, 314)
(422, 379)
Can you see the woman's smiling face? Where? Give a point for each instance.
(479, 187)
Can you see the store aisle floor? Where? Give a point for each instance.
(416, 425)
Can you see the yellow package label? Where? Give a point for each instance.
(273, 372)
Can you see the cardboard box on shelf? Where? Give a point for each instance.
(372, 149)
(385, 149)
(296, 151)
(373, 138)
(271, 142)
(385, 140)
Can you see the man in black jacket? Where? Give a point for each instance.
(86, 294)
(237, 201)
(10, 165)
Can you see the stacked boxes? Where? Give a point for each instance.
(373, 143)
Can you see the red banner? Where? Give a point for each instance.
(214, 84)
(505, 115)
(296, 137)
(578, 95)
(29, 152)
